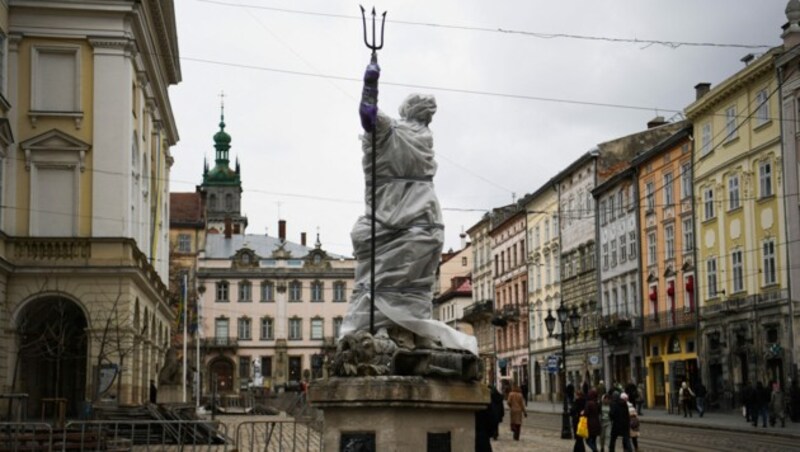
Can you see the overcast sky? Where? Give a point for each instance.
(290, 72)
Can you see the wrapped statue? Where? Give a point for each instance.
(409, 231)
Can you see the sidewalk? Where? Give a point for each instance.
(728, 420)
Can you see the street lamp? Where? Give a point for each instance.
(550, 322)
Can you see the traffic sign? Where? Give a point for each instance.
(552, 364)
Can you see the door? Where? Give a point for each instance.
(295, 368)
(659, 386)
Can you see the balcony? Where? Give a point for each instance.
(669, 321)
(220, 342)
(745, 303)
(617, 328)
(477, 310)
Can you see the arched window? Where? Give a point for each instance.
(228, 202)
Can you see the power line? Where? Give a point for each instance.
(532, 34)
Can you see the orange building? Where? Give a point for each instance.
(669, 310)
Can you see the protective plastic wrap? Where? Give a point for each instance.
(409, 230)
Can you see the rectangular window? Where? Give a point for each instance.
(245, 292)
(621, 202)
(733, 192)
(686, 180)
(612, 212)
(337, 326)
(623, 298)
(267, 329)
(650, 196)
(536, 237)
(555, 225)
(651, 248)
(184, 243)
(762, 107)
(711, 277)
(548, 278)
(688, 235)
(730, 123)
(295, 329)
(705, 139)
(316, 329)
(605, 255)
(668, 191)
(614, 253)
(295, 291)
(244, 330)
(222, 292)
(546, 230)
(244, 368)
(267, 291)
(56, 80)
(623, 250)
(765, 178)
(339, 289)
(738, 271)
(557, 267)
(634, 299)
(317, 288)
(708, 203)
(603, 215)
(770, 275)
(221, 330)
(669, 241)
(632, 245)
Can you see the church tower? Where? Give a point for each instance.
(222, 187)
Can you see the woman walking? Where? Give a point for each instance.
(593, 417)
(516, 408)
(633, 414)
(577, 411)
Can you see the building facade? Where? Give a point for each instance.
(578, 267)
(617, 238)
(741, 231)
(789, 78)
(480, 312)
(453, 289)
(85, 183)
(544, 295)
(509, 253)
(667, 267)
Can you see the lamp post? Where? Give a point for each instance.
(550, 322)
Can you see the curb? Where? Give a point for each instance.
(772, 431)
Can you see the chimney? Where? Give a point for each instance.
(228, 228)
(655, 122)
(303, 238)
(282, 230)
(463, 240)
(747, 58)
(701, 89)
(791, 31)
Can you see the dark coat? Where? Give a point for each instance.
(496, 404)
(700, 391)
(620, 418)
(484, 426)
(593, 418)
(632, 391)
(763, 394)
(575, 411)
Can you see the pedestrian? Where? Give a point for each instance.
(640, 395)
(601, 388)
(700, 397)
(484, 426)
(516, 408)
(153, 391)
(777, 405)
(592, 411)
(634, 434)
(620, 422)
(748, 395)
(762, 396)
(685, 395)
(632, 391)
(498, 410)
(794, 401)
(570, 393)
(605, 421)
(576, 412)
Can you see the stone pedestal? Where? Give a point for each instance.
(393, 413)
(169, 393)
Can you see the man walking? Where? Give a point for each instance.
(700, 396)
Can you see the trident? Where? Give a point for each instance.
(374, 59)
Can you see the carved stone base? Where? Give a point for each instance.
(392, 413)
(170, 394)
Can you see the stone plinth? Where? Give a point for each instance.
(169, 393)
(400, 413)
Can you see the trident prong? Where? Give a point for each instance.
(373, 45)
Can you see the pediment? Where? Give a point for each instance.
(54, 140)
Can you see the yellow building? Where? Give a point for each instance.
(84, 187)
(667, 269)
(742, 280)
(544, 294)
